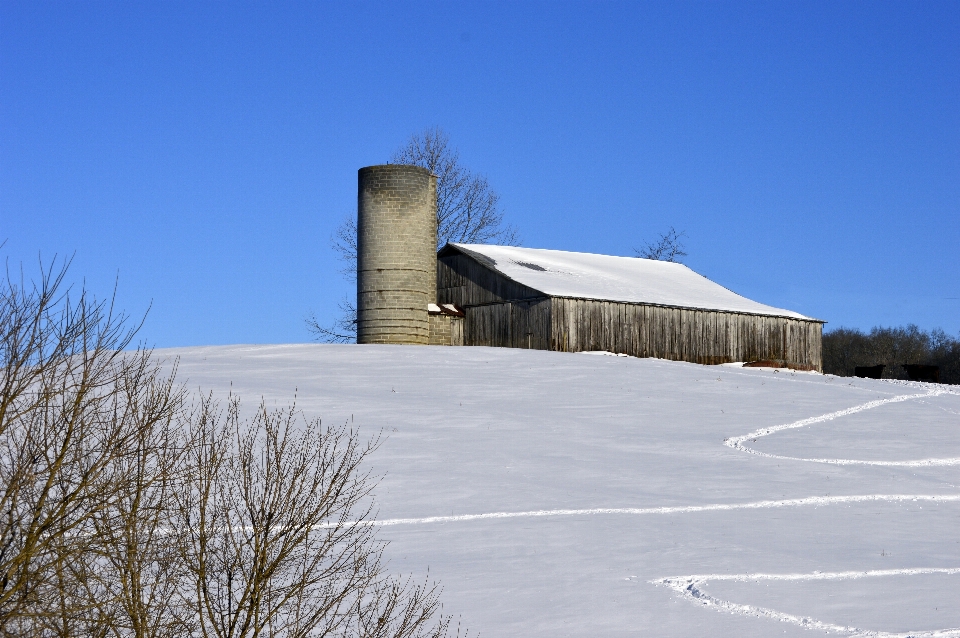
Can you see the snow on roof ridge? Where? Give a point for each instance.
(560, 273)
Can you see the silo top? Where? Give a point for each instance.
(399, 168)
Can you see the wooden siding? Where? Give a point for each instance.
(463, 281)
(680, 334)
(501, 312)
(683, 334)
(518, 324)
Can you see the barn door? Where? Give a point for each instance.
(530, 324)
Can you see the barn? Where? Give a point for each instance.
(572, 302)
(512, 297)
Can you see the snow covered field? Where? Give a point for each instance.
(563, 494)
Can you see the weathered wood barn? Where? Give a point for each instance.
(512, 297)
(573, 302)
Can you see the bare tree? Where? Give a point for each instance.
(125, 514)
(73, 405)
(468, 212)
(668, 248)
(846, 348)
(280, 533)
(467, 207)
(134, 572)
(344, 328)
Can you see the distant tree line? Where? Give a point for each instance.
(846, 348)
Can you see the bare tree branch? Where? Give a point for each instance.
(125, 514)
(467, 207)
(344, 328)
(344, 243)
(668, 248)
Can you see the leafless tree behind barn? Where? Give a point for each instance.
(468, 212)
(669, 247)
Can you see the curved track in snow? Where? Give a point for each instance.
(738, 442)
(690, 587)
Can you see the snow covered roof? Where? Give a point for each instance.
(559, 273)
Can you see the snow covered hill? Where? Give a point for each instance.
(563, 494)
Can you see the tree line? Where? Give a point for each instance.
(845, 348)
(127, 508)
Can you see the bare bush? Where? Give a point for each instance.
(125, 513)
(280, 535)
(133, 571)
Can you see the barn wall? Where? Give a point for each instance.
(518, 324)
(680, 334)
(700, 336)
(463, 281)
(500, 312)
(487, 325)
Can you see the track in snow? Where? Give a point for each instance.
(737, 442)
(690, 588)
(687, 509)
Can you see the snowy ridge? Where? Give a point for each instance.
(737, 442)
(690, 588)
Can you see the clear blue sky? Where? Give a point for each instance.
(203, 153)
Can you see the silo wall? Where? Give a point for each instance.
(396, 253)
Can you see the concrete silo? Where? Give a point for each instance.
(396, 253)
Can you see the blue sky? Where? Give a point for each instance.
(201, 154)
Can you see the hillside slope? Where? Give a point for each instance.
(572, 495)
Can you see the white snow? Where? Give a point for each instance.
(555, 494)
(628, 279)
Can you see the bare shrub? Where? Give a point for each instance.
(125, 512)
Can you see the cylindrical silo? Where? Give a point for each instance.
(396, 253)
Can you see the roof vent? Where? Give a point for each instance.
(527, 264)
